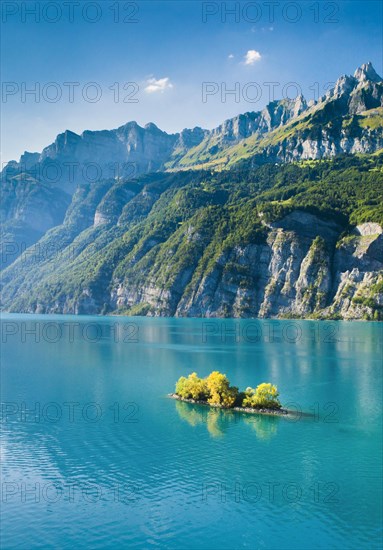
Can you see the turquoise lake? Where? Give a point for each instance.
(95, 455)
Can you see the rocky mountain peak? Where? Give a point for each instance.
(344, 85)
(300, 106)
(27, 160)
(191, 137)
(153, 128)
(367, 72)
(129, 127)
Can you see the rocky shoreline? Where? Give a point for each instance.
(278, 412)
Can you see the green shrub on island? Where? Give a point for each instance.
(215, 390)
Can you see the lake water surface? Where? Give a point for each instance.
(94, 455)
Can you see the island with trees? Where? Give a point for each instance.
(215, 390)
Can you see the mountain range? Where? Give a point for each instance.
(276, 213)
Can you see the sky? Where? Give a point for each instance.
(179, 64)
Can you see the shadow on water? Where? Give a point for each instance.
(218, 421)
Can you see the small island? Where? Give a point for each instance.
(215, 390)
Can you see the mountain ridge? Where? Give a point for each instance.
(132, 139)
(274, 213)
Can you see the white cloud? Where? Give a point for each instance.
(159, 85)
(263, 29)
(251, 57)
(231, 56)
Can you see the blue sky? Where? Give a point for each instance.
(167, 51)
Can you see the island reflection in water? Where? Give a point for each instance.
(218, 420)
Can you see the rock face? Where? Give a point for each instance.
(368, 229)
(276, 114)
(325, 145)
(126, 152)
(294, 274)
(367, 72)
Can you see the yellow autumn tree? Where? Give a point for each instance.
(263, 396)
(220, 391)
(192, 387)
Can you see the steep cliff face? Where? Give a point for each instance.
(323, 143)
(289, 276)
(292, 275)
(28, 209)
(128, 151)
(274, 115)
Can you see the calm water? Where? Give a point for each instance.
(96, 456)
